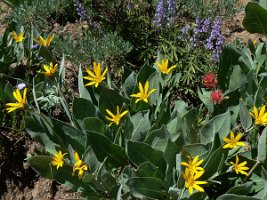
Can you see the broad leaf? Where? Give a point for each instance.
(103, 147)
(255, 20)
(147, 187)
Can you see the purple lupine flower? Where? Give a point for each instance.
(197, 30)
(215, 41)
(130, 6)
(82, 13)
(171, 10)
(185, 29)
(20, 86)
(80, 9)
(160, 14)
(205, 26)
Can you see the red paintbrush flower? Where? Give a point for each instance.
(210, 80)
(216, 96)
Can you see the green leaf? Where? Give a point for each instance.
(236, 197)
(147, 169)
(103, 147)
(46, 54)
(204, 96)
(154, 83)
(41, 164)
(215, 163)
(129, 84)
(262, 146)
(68, 135)
(220, 124)
(82, 89)
(170, 157)
(194, 150)
(89, 158)
(37, 131)
(144, 74)
(139, 152)
(105, 179)
(83, 108)
(158, 138)
(263, 3)
(245, 117)
(264, 179)
(243, 189)
(147, 187)
(255, 20)
(94, 124)
(237, 79)
(110, 99)
(229, 58)
(170, 153)
(119, 193)
(141, 125)
(62, 71)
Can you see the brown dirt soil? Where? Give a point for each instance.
(18, 181)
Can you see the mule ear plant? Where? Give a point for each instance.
(150, 150)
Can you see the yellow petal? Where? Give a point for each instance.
(90, 73)
(104, 73)
(197, 187)
(124, 113)
(262, 111)
(49, 39)
(255, 110)
(141, 88)
(110, 113)
(151, 91)
(76, 156)
(146, 87)
(232, 136)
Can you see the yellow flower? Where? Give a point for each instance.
(21, 101)
(143, 93)
(239, 168)
(260, 118)
(163, 67)
(193, 165)
(96, 77)
(50, 70)
(45, 42)
(115, 118)
(190, 180)
(58, 159)
(79, 166)
(18, 38)
(233, 141)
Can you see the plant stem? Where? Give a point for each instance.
(181, 194)
(251, 170)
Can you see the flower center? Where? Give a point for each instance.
(117, 119)
(191, 181)
(99, 79)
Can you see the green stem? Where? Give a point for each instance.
(251, 170)
(181, 194)
(64, 104)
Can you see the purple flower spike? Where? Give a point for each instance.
(160, 12)
(215, 41)
(171, 10)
